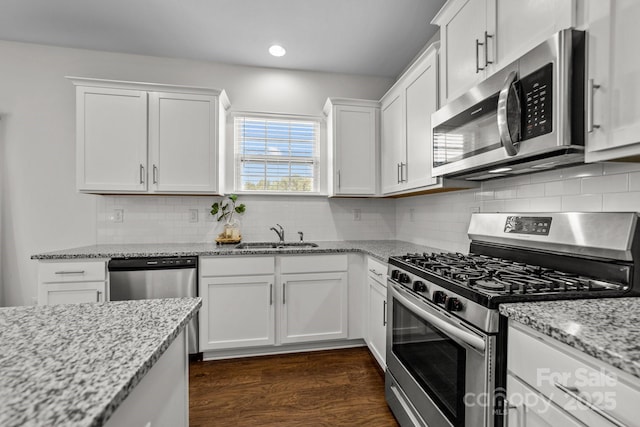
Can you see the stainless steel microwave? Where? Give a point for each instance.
(527, 117)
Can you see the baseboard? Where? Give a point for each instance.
(281, 349)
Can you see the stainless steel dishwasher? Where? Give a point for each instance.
(159, 277)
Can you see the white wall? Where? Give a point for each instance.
(41, 210)
(442, 220)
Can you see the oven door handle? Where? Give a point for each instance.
(464, 336)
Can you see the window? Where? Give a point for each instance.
(276, 154)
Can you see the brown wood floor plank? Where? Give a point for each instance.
(323, 388)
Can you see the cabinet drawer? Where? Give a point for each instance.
(236, 266)
(558, 371)
(313, 263)
(79, 271)
(377, 270)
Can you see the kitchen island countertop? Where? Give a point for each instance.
(380, 249)
(74, 364)
(607, 329)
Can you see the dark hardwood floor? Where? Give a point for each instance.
(323, 388)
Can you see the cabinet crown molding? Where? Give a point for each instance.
(152, 87)
(447, 11)
(351, 102)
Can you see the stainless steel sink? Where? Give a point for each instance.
(275, 245)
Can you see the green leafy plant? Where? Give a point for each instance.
(225, 208)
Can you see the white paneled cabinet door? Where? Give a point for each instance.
(613, 92)
(71, 293)
(421, 97)
(377, 336)
(467, 34)
(111, 132)
(355, 150)
(182, 142)
(393, 144)
(240, 312)
(314, 307)
(522, 25)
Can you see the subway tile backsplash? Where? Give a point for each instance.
(438, 220)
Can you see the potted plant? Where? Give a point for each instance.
(224, 210)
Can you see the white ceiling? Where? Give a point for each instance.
(369, 37)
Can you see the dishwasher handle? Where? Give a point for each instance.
(152, 263)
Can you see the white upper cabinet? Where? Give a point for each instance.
(353, 141)
(406, 146)
(480, 37)
(182, 142)
(613, 92)
(468, 44)
(148, 138)
(111, 133)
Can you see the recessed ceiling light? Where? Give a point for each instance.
(277, 50)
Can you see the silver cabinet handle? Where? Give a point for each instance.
(99, 294)
(590, 89)
(155, 174)
(375, 272)
(284, 289)
(509, 145)
(339, 183)
(478, 68)
(574, 393)
(398, 173)
(487, 36)
(141, 174)
(508, 407)
(402, 173)
(384, 313)
(270, 293)
(70, 272)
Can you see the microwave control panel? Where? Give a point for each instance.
(528, 225)
(537, 102)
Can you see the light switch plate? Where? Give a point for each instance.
(118, 215)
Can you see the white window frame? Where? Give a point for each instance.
(319, 159)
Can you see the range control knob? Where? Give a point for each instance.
(404, 278)
(439, 297)
(419, 286)
(453, 304)
(395, 274)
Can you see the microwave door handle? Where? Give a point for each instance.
(464, 336)
(509, 145)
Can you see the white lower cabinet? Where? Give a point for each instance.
(257, 301)
(314, 307)
(70, 282)
(377, 311)
(552, 384)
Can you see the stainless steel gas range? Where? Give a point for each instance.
(446, 342)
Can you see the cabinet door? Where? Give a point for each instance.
(182, 142)
(614, 80)
(377, 334)
(463, 56)
(236, 312)
(355, 148)
(111, 146)
(71, 293)
(393, 145)
(542, 19)
(527, 408)
(314, 307)
(421, 97)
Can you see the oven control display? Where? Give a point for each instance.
(528, 225)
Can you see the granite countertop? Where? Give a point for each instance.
(74, 364)
(380, 249)
(607, 329)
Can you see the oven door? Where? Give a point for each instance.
(439, 370)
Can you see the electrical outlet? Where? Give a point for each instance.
(193, 215)
(118, 215)
(412, 215)
(357, 215)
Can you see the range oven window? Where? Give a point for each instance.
(433, 359)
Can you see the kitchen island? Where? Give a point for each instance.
(95, 364)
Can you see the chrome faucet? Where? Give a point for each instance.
(301, 234)
(280, 233)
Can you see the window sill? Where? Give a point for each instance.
(278, 193)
